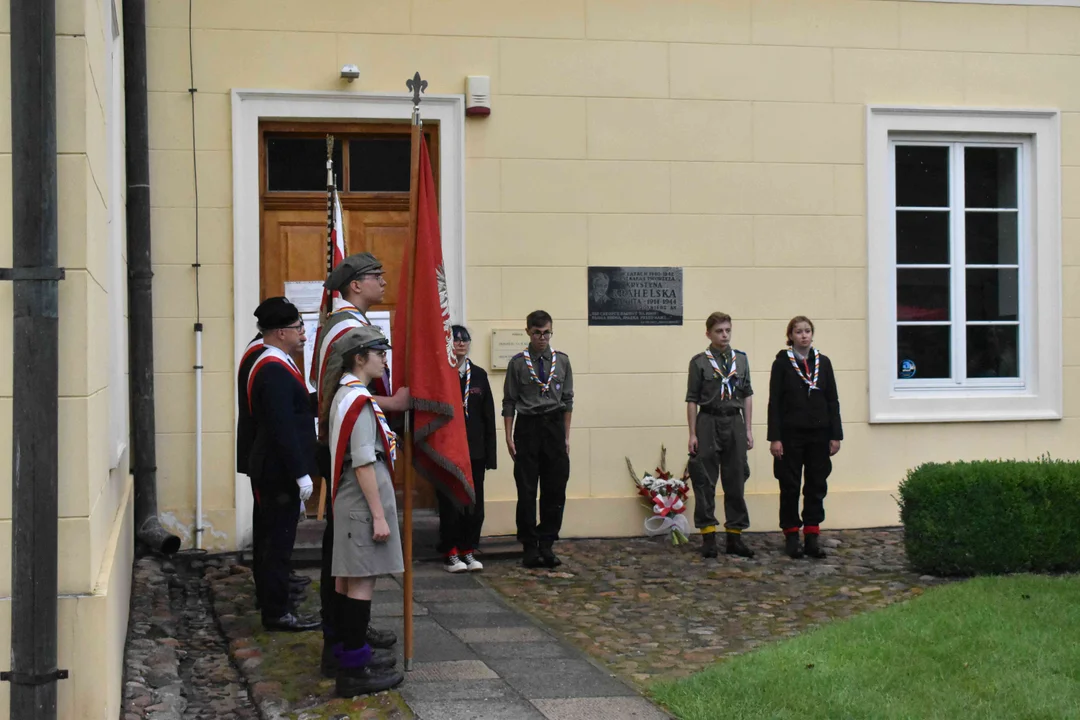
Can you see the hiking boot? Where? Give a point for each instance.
(792, 546)
(531, 558)
(549, 558)
(471, 562)
(453, 564)
(380, 659)
(708, 545)
(384, 639)
(357, 675)
(813, 546)
(736, 546)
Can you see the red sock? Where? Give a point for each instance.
(812, 530)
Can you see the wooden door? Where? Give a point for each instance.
(371, 169)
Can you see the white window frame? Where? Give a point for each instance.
(117, 264)
(1037, 393)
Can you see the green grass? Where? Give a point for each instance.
(992, 647)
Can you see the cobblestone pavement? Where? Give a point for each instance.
(177, 665)
(651, 611)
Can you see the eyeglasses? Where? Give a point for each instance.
(299, 327)
(463, 341)
(545, 334)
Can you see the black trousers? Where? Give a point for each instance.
(803, 453)
(328, 595)
(256, 538)
(540, 441)
(279, 513)
(460, 529)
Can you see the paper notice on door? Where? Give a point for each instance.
(305, 295)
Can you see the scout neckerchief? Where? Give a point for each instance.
(344, 318)
(726, 388)
(532, 370)
(806, 377)
(468, 384)
(349, 405)
(273, 355)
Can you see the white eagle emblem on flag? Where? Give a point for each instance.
(444, 305)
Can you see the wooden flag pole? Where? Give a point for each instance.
(417, 86)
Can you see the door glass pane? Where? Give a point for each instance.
(922, 295)
(299, 164)
(922, 176)
(990, 177)
(923, 352)
(993, 351)
(922, 238)
(379, 164)
(990, 238)
(993, 295)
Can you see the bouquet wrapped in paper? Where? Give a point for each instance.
(666, 496)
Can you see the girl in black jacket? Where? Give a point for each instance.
(804, 433)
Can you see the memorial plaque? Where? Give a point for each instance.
(505, 344)
(635, 296)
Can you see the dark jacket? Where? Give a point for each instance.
(284, 447)
(245, 424)
(793, 409)
(480, 424)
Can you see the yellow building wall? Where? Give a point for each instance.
(95, 500)
(723, 136)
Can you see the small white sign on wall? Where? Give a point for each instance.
(505, 344)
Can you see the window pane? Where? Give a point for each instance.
(379, 164)
(922, 238)
(923, 352)
(299, 164)
(993, 351)
(993, 294)
(991, 238)
(990, 177)
(922, 295)
(922, 176)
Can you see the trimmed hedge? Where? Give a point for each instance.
(990, 517)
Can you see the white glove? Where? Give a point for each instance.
(306, 487)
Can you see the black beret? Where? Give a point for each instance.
(276, 313)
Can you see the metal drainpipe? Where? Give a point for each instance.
(148, 529)
(35, 370)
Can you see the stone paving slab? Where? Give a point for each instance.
(523, 651)
(559, 678)
(445, 608)
(445, 581)
(497, 689)
(605, 708)
(529, 633)
(433, 643)
(504, 619)
(464, 595)
(470, 710)
(451, 670)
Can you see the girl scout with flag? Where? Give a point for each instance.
(367, 542)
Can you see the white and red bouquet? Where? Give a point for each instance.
(666, 496)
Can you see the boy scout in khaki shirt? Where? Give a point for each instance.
(539, 389)
(719, 411)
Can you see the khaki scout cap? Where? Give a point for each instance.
(365, 336)
(351, 267)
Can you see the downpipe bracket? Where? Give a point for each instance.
(43, 274)
(21, 678)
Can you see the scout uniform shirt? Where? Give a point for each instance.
(706, 388)
(540, 394)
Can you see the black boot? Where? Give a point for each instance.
(531, 558)
(548, 557)
(792, 546)
(708, 545)
(813, 546)
(357, 676)
(384, 639)
(736, 546)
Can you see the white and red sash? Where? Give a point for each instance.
(253, 347)
(349, 405)
(273, 355)
(344, 318)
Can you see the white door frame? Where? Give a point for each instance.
(251, 106)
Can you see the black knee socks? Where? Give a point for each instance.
(356, 614)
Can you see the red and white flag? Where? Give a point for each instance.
(335, 253)
(424, 355)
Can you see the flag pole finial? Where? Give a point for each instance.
(417, 85)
